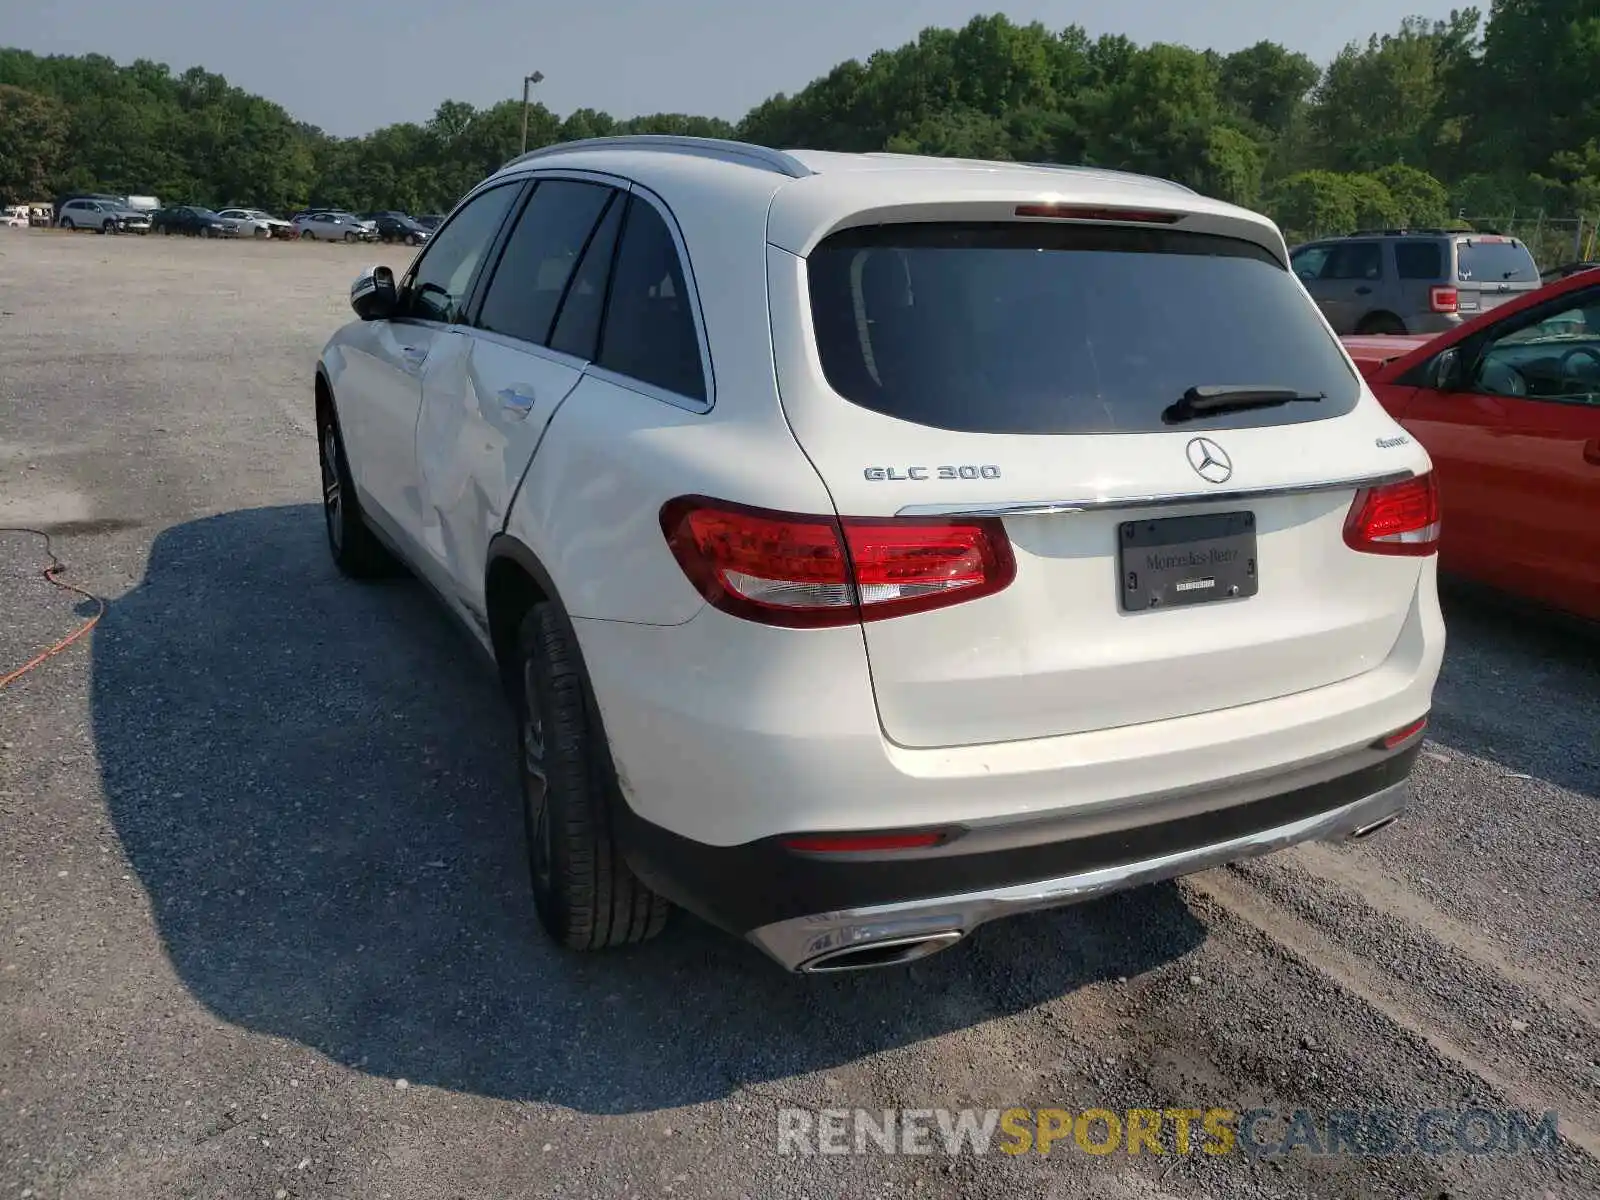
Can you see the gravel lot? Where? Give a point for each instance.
(263, 918)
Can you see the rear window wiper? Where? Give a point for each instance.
(1210, 401)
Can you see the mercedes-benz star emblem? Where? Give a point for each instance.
(1210, 461)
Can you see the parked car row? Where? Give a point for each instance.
(107, 213)
(338, 225)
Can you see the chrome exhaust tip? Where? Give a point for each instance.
(1367, 831)
(892, 952)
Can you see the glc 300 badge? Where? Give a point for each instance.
(969, 471)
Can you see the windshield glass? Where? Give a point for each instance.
(1038, 328)
(1495, 262)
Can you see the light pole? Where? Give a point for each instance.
(527, 82)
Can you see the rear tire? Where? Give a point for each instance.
(66, 223)
(1381, 323)
(356, 551)
(585, 895)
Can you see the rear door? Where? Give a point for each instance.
(1491, 270)
(1351, 279)
(489, 397)
(1021, 371)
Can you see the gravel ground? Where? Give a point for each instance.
(263, 918)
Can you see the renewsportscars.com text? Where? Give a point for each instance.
(1260, 1132)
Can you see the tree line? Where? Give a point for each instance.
(1467, 115)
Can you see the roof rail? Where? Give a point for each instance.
(1396, 232)
(669, 143)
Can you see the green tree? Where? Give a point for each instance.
(1267, 85)
(33, 141)
(1418, 198)
(1536, 97)
(1389, 101)
(1313, 204)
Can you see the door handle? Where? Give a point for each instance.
(517, 400)
(1591, 452)
(1363, 291)
(414, 355)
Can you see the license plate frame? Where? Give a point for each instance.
(1179, 562)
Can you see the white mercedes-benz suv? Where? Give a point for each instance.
(872, 546)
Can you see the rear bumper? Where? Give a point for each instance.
(726, 733)
(799, 907)
(910, 929)
(1431, 322)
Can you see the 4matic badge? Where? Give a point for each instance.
(968, 471)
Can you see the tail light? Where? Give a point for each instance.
(1402, 735)
(1081, 212)
(865, 843)
(1444, 299)
(1396, 518)
(809, 572)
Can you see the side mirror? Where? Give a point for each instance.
(374, 294)
(1444, 372)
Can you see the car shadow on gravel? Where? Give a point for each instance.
(1520, 688)
(313, 780)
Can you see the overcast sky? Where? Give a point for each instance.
(352, 65)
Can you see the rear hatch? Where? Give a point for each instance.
(1490, 270)
(1162, 567)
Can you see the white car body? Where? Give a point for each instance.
(252, 222)
(103, 216)
(334, 227)
(781, 780)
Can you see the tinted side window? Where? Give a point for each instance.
(649, 331)
(577, 330)
(1355, 260)
(439, 282)
(540, 257)
(1419, 260)
(1308, 263)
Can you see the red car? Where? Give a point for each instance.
(1508, 405)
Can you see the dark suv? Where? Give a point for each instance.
(1412, 280)
(398, 227)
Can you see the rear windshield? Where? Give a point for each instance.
(1033, 328)
(1495, 262)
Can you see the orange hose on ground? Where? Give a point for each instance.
(50, 575)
